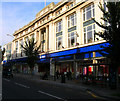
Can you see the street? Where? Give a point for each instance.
(22, 89)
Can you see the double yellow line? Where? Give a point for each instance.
(92, 94)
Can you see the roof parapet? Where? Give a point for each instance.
(44, 10)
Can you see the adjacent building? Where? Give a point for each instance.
(8, 53)
(68, 43)
(0, 59)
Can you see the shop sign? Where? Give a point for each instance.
(42, 56)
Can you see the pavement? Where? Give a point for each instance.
(94, 90)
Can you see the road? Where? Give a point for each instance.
(22, 89)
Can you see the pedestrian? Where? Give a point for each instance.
(70, 75)
(67, 75)
(57, 74)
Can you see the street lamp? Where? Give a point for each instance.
(10, 35)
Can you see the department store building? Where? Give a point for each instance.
(68, 43)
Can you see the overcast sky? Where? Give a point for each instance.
(14, 14)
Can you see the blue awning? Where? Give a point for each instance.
(20, 60)
(81, 53)
(86, 49)
(43, 61)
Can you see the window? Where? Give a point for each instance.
(48, 18)
(58, 12)
(88, 12)
(72, 39)
(26, 31)
(22, 33)
(33, 28)
(43, 21)
(89, 33)
(43, 40)
(59, 26)
(72, 20)
(73, 2)
(59, 42)
(26, 39)
(32, 36)
(21, 43)
(38, 23)
(16, 46)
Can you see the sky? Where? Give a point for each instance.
(14, 14)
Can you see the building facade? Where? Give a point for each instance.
(8, 53)
(68, 43)
(0, 59)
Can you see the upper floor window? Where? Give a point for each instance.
(26, 39)
(17, 36)
(59, 42)
(88, 12)
(43, 40)
(16, 46)
(43, 21)
(33, 28)
(48, 18)
(59, 26)
(21, 43)
(70, 5)
(32, 36)
(72, 20)
(72, 39)
(89, 33)
(21, 33)
(38, 23)
(26, 31)
(58, 12)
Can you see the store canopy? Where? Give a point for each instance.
(86, 49)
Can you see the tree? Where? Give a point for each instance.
(31, 51)
(111, 34)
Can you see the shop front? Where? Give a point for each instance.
(82, 62)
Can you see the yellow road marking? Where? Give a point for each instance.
(92, 94)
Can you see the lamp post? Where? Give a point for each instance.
(10, 35)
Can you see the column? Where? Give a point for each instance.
(65, 34)
(35, 36)
(52, 68)
(47, 39)
(75, 67)
(18, 53)
(21, 68)
(23, 44)
(81, 27)
(12, 49)
(95, 68)
(39, 39)
(78, 23)
(52, 37)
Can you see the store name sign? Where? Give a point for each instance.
(43, 56)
